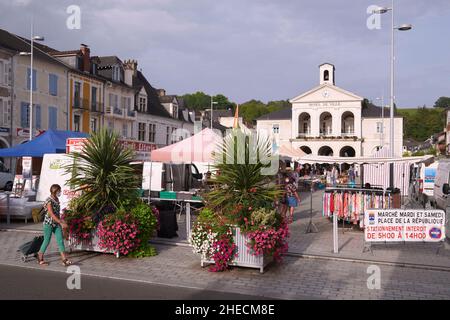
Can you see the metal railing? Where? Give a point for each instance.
(118, 111)
(80, 103)
(97, 107)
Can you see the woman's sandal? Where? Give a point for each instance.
(66, 262)
(42, 262)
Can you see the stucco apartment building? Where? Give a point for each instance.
(50, 99)
(73, 90)
(330, 121)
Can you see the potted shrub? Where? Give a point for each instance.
(108, 216)
(239, 210)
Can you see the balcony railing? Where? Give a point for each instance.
(131, 114)
(118, 111)
(96, 107)
(348, 133)
(326, 133)
(80, 104)
(304, 134)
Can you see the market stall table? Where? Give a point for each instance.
(187, 203)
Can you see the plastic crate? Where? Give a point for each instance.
(167, 195)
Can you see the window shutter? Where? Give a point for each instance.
(6, 73)
(8, 112)
(38, 117)
(9, 74)
(34, 79)
(28, 79)
(52, 118)
(2, 108)
(24, 114)
(53, 84)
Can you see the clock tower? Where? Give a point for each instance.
(327, 71)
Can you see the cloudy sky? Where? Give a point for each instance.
(255, 49)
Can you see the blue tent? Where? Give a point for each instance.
(51, 141)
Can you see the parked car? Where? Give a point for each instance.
(6, 178)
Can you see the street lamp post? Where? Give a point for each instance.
(30, 108)
(212, 103)
(403, 27)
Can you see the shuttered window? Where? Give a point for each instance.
(52, 118)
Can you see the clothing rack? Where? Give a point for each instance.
(349, 204)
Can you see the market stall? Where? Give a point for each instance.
(198, 149)
(350, 203)
(21, 202)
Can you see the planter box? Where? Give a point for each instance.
(244, 256)
(87, 245)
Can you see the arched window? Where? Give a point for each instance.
(326, 75)
(304, 124)
(325, 151)
(347, 152)
(306, 149)
(348, 124)
(326, 124)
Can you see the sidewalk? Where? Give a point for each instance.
(295, 278)
(351, 242)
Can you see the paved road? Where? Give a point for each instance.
(26, 283)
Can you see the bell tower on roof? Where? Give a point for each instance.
(327, 73)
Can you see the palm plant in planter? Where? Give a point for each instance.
(242, 185)
(109, 197)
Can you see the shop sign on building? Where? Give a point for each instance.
(393, 225)
(75, 144)
(142, 150)
(24, 132)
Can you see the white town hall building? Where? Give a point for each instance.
(330, 121)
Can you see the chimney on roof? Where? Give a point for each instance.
(86, 57)
(130, 69)
(161, 92)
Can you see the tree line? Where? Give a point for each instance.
(249, 111)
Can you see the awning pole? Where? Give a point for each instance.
(150, 182)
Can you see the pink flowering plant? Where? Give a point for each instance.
(224, 251)
(269, 241)
(119, 233)
(81, 226)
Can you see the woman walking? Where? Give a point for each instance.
(292, 197)
(53, 224)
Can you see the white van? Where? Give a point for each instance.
(422, 182)
(441, 186)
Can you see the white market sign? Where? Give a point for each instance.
(404, 225)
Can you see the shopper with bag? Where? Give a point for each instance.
(292, 197)
(53, 224)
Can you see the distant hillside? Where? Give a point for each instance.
(421, 123)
